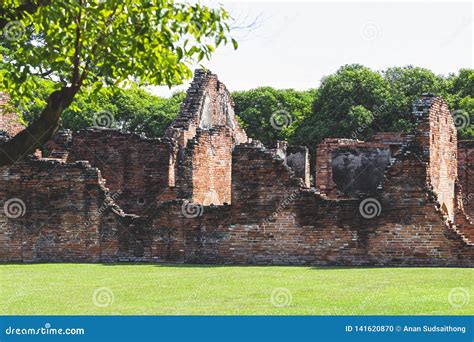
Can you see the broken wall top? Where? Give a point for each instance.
(208, 104)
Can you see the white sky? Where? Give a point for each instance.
(294, 44)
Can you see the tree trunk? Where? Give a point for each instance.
(40, 131)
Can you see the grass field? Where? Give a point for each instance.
(194, 289)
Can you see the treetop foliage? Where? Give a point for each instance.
(354, 102)
(97, 43)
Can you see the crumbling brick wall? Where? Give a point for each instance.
(62, 212)
(141, 169)
(206, 130)
(437, 138)
(204, 173)
(208, 104)
(466, 174)
(56, 212)
(273, 220)
(273, 217)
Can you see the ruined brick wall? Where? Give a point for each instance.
(204, 174)
(140, 168)
(260, 180)
(206, 130)
(9, 121)
(466, 174)
(208, 104)
(437, 137)
(273, 220)
(62, 212)
(50, 212)
(273, 217)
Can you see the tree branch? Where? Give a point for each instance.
(77, 47)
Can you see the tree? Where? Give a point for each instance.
(464, 118)
(84, 45)
(355, 102)
(346, 105)
(269, 114)
(462, 85)
(131, 110)
(139, 112)
(407, 84)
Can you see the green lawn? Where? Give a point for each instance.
(196, 289)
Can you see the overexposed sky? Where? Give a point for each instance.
(294, 44)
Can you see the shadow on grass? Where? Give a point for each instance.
(204, 266)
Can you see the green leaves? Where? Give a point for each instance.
(271, 114)
(110, 43)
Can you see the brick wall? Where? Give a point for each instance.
(140, 168)
(206, 130)
(208, 104)
(437, 138)
(260, 181)
(272, 220)
(466, 174)
(161, 190)
(204, 173)
(57, 205)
